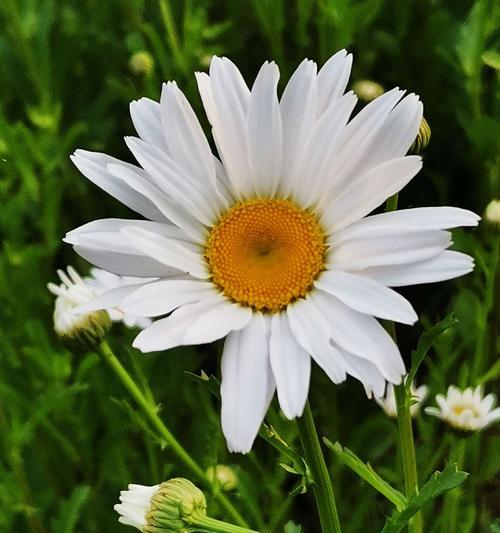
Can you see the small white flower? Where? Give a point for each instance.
(76, 330)
(271, 245)
(465, 410)
(135, 505)
(388, 402)
(101, 282)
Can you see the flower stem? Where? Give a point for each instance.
(407, 444)
(150, 409)
(453, 497)
(211, 524)
(322, 488)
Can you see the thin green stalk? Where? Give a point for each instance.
(453, 497)
(217, 526)
(172, 36)
(405, 428)
(322, 488)
(150, 409)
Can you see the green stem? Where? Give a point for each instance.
(454, 495)
(211, 524)
(322, 487)
(150, 409)
(405, 428)
(407, 444)
(172, 36)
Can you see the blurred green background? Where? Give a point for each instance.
(69, 439)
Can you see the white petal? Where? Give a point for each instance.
(168, 332)
(186, 141)
(162, 297)
(264, 131)
(332, 79)
(298, 115)
(313, 173)
(360, 335)
(246, 378)
(109, 299)
(217, 323)
(225, 97)
(93, 166)
(169, 208)
(174, 180)
(366, 372)
(396, 249)
(367, 296)
(409, 220)
(446, 265)
(146, 116)
(360, 195)
(168, 251)
(291, 367)
(311, 331)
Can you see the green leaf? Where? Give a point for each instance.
(366, 472)
(291, 527)
(439, 482)
(492, 59)
(424, 344)
(70, 511)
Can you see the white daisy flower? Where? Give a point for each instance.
(271, 246)
(76, 330)
(388, 402)
(101, 282)
(465, 410)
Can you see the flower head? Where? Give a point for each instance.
(270, 244)
(465, 410)
(170, 506)
(388, 402)
(79, 331)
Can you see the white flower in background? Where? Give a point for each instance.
(101, 282)
(77, 330)
(170, 506)
(465, 410)
(388, 402)
(271, 245)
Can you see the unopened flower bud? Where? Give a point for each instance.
(142, 63)
(223, 476)
(368, 90)
(78, 331)
(169, 507)
(423, 138)
(492, 213)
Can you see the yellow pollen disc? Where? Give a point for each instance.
(265, 253)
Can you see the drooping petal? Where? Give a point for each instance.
(246, 383)
(93, 166)
(360, 335)
(446, 265)
(367, 296)
(291, 367)
(265, 138)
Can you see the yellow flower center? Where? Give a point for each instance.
(265, 253)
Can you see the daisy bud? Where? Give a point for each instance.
(388, 402)
(423, 138)
(492, 213)
(224, 476)
(465, 410)
(141, 63)
(78, 331)
(368, 90)
(171, 506)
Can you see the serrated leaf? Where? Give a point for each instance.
(438, 483)
(366, 472)
(291, 527)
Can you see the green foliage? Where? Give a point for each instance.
(70, 439)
